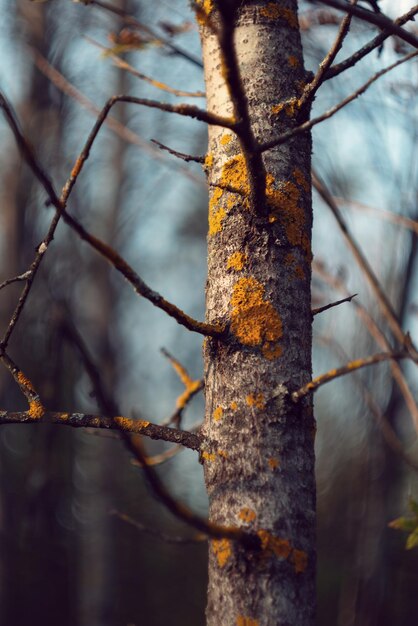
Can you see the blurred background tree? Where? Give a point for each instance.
(64, 559)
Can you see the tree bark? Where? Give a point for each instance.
(259, 452)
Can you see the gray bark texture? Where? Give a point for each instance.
(259, 445)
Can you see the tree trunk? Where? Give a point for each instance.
(259, 456)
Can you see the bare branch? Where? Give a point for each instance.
(111, 255)
(111, 122)
(332, 304)
(122, 424)
(122, 64)
(388, 433)
(311, 89)
(199, 538)
(371, 277)
(281, 139)
(179, 155)
(129, 19)
(369, 47)
(378, 19)
(378, 336)
(16, 279)
(348, 369)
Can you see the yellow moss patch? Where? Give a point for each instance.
(217, 414)
(273, 11)
(254, 321)
(233, 406)
(246, 621)
(223, 551)
(293, 61)
(208, 456)
(226, 139)
(279, 547)
(36, 408)
(273, 463)
(255, 399)
(236, 261)
(247, 515)
(299, 559)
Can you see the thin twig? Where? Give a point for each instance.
(348, 369)
(303, 128)
(388, 433)
(64, 85)
(311, 89)
(121, 63)
(128, 425)
(16, 279)
(376, 42)
(363, 263)
(111, 255)
(378, 19)
(129, 19)
(179, 155)
(332, 304)
(399, 220)
(191, 387)
(378, 336)
(199, 538)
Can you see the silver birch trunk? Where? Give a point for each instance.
(259, 454)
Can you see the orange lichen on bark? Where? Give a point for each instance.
(76, 169)
(233, 176)
(24, 381)
(274, 11)
(293, 61)
(247, 515)
(208, 456)
(256, 399)
(209, 160)
(125, 423)
(299, 559)
(236, 261)
(301, 179)
(223, 453)
(246, 621)
(233, 406)
(203, 10)
(226, 139)
(275, 545)
(273, 463)
(36, 408)
(254, 321)
(223, 551)
(284, 203)
(290, 107)
(217, 414)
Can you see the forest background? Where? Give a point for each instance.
(70, 553)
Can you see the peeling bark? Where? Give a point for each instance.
(259, 445)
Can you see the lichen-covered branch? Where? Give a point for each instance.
(192, 441)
